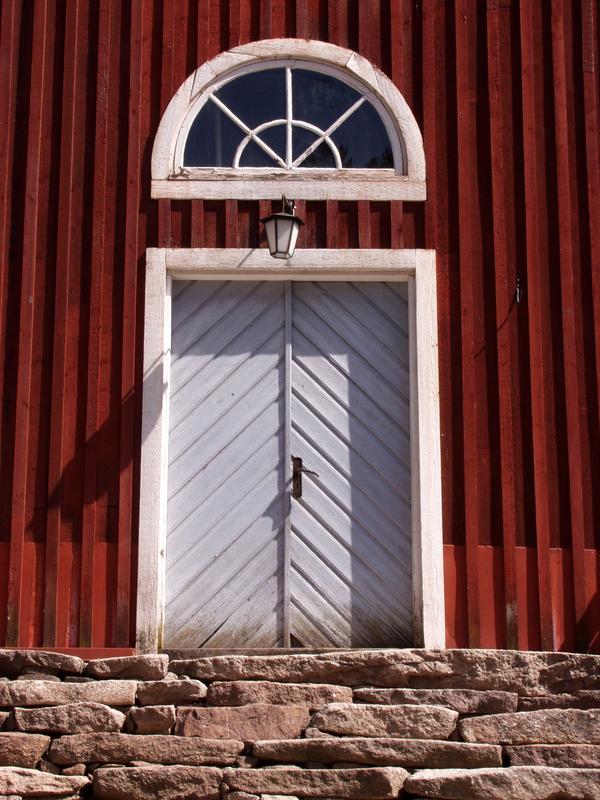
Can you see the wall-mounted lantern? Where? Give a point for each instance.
(282, 230)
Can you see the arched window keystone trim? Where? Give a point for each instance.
(317, 170)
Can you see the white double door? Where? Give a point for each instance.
(262, 372)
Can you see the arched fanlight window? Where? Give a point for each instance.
(305, 119)
(289, 118)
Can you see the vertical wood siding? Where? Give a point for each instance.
(507, 95)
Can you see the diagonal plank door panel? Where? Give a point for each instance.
(347, 578)
(350, 578)
(225, 509)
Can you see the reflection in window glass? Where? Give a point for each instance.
(363, 141)
(276, 139)
(319, 98)
(212, 140)
(255, 156)
(256, 97)
(321, 158)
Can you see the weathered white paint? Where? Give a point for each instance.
(426, 469)
(241, 186)
(369, 265)
(171, 179)
(155, 438)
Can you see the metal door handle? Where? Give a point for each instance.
(297, 470)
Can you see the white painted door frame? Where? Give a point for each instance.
(415, 266)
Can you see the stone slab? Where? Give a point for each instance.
(584, 699)
(22, 749)
(368, 783)
(551, 726)
(465, 701)
(170, 692)
(144, 668)
(409, 753)
(240, 693)
(123, 748)
(13, 662)
(554, 755)
(46, 693)
(151, 719)
(166, 783)
(402, 722)
(71, 718)
(513, 671)
(516, 783)
(33, 783)
(4, 715)
(251, 722)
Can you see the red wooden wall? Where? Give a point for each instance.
(507, 95)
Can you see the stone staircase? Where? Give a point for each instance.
(364, 724)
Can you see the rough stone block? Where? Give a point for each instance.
(499, 670)
(151, 719)
(33, 783)
(14, 662)
(22, 749)
(71, 718)
(144, 668)
(170, 692)
(44, 693)
(584, 699)
(516, 783)
(166, 783)
(552, 726)
(240, 693)
(123, 748)
(409, 753)
(402, 722)
(315, 733)
(257, 721)
(369, 783)
(4, 715)
(38, 676)
(465, 701)
(76, 769)
(554, 755)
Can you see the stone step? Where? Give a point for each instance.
(369, 783)
(402, 722)
(408, 753)
(508, 783)
(122, 748)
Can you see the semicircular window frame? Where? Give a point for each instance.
(405, 180)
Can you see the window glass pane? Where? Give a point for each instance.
(256, 97)
(320, 99)
(255, 156)
(212, 140)
(301, 139)
(321, 157)
(275, 137)
(363, 141)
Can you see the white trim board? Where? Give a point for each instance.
(415, 266)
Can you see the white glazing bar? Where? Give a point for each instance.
(287, 464)
(290, 116)
(247, 130)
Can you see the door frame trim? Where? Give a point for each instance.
(417, 267)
